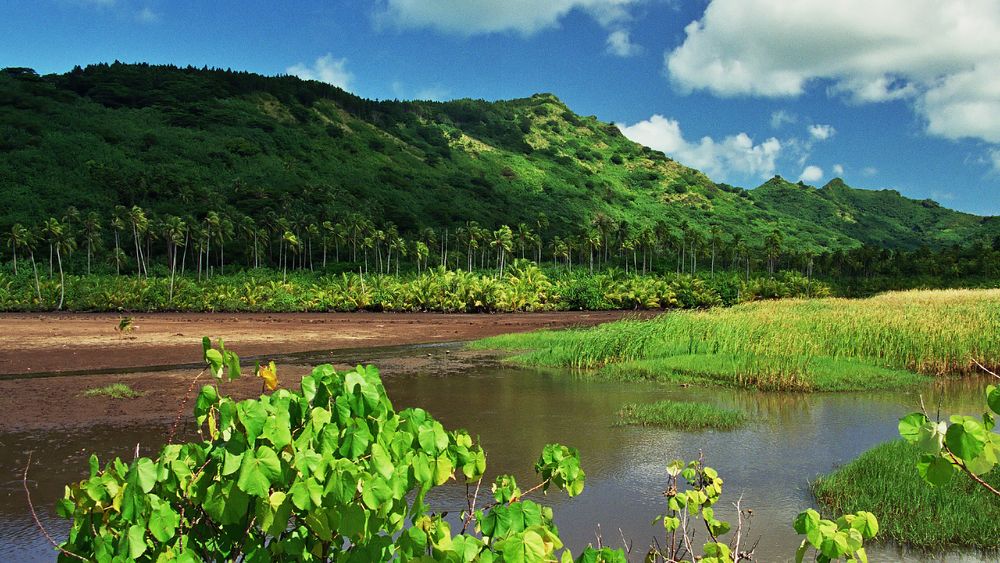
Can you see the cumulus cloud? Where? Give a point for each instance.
(838, 170)
(620, 44)
(147, 15)
(326, 69)
(474, 17)
(821, 132)
(941, 56)
(811, 174)
(733, 155)
(782, 117)
(869, 171)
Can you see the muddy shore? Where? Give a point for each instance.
(33, 344)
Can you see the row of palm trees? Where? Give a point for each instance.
(304, 243)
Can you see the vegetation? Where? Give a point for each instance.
(968, 445)
(523, 287)
(957, 513)
(140, 170)
(114, 391)
(678, 415)
(332, 471)
(790, 345)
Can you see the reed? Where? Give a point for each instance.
(831, 344)
(680, 415)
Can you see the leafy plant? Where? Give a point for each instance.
(968, 444)
(330, 471)
(833, 540)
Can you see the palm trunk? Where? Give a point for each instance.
(34, 268)
(62, 280)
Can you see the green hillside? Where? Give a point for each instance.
(183, 141)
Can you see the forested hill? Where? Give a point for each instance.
(185, 141)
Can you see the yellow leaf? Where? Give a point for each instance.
(269, 374)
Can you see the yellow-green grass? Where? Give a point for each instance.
(819, 344)
(680, 415)
(114, 391)
(884, 481)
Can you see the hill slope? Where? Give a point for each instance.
(185, 141)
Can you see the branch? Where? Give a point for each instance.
(984, 368)
(34, 515)
(976, 478)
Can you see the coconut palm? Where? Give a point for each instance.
(17, 237)
(140, 224)
(61, 241)
(91, 233)
(174, 231)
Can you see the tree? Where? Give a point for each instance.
(174, 230)
(420, 251)
(17, 237)
(91, 234)
(59, 240)
(772, 246)
(140, 224)
(503, 241)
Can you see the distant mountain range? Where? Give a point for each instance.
(184, 141)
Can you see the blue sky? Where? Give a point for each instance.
(901, 94)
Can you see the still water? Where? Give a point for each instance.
(516, 411)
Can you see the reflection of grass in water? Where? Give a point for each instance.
(114, 391)
(810, 345)
(679, 416)
(884, 480)
(766, 373)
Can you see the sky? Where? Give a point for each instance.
(900, 94)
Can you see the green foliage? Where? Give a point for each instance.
(524, 287)
(967, 445)
(834, 540)
(804, 345)
(679, 415)
(883, 479)
(114, 391)
(330, 471)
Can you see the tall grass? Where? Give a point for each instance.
(787, 344)
(884, 480)
(680, 415)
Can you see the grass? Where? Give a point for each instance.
(806, 345)
(679, 415)
(114, 391)
(884, 480)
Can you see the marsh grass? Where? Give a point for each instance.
(884, 480)
(114, 391)
(807, 345)
(680, 415)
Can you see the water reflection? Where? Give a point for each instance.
(515, 412)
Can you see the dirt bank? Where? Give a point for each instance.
(52, 342)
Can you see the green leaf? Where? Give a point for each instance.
(993, 398)
(258, 470)
(934, 469)
(966, 438)
(277, 429)
(381, 461)
(909, 426)
(162, 522)
(253, 415)
(136, 541)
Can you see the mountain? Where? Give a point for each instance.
(184, 141)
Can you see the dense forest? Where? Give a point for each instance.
(124, 167)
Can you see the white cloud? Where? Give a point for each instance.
(941, 56)
(620, 44)
(838, 170)
(147, 15)
(869, 171)
(781, 117)
(811, 174)
(995, 159)
(433, 93)
(733, 155)
(474, 17)
(821, 132)
(326, 69)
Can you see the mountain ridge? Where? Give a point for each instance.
(184, 140)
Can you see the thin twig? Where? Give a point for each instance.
(984, 368)
(180, 409)
(34, 515)
(976, 478)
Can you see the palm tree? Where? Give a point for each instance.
(772, 245)
(17, 238)
(329, 231)
(30, 239)
(60, 240)
(421, 251)
(523, 235)
(541, 223)
(503, 241)
(174, 231)
(140, 224)
(249, 230)
(118, 223)
(291, 242)
(593, 239)
(91, 234)
(715, 235)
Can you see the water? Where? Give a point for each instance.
(515, 412)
